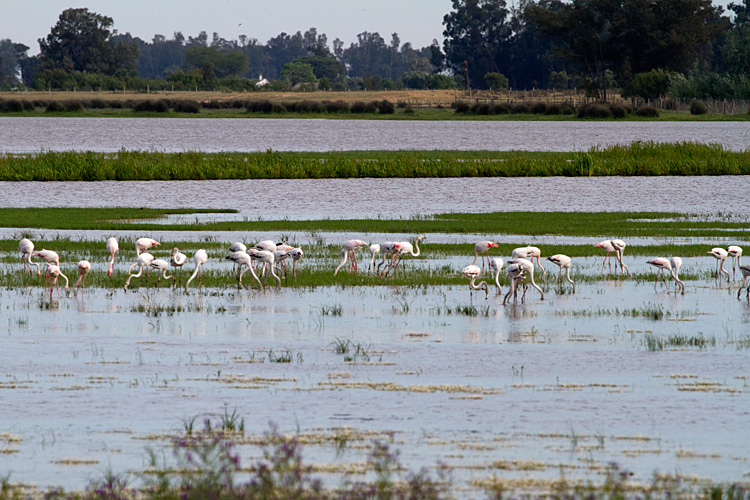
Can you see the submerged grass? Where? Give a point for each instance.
(636, 159)
(593, 224)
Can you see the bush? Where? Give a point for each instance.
(385, 107)
(54, 106)
(594, 110)
(567, 109)
(336, 106)
(186, 106)
(553, 109)
(461, 107)
(647, 111)
(539, 108)
(363, 107)
(277, 107)
(262, 106)
(160, 106)
(72, 105)
(114, 104)
(500, 109)
(481, 108)
(11, 106)
(519, 108)
(618, 110)
(698, 108)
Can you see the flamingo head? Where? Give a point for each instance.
(493, 245)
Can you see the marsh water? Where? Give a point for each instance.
(527, 391)
(28, 135)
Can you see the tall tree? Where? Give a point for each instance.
(81, 41)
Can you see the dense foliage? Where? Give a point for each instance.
(649, 48)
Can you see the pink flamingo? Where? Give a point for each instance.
(143, 261)
(200, 257)
(83, 267)
(472, 272)
(389, 248)
(112, 248)
(348, 252)
(666, 265)
(528, 269)
(241, 258)
(735, 253)
(720, 255)
(530, 253)
(613, 246)
(496, 263)
(482, 248)
(143, 244)
(26, 247)
(745, 270)
(564, 262)
(53, 272)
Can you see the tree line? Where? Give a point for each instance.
(646, 48)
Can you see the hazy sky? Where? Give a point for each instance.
(415, 21)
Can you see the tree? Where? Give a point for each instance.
(296, 72)
(224, 62)
(650, 85)
(496, 81)
(81, 41)
(325, 67)
(477, 34)
(8, 64)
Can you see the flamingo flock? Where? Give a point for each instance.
(267, 258)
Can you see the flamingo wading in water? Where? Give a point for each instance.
(112, 248)
(496, 263)
(83, 268)
(564, 262)
(472, 272)
(483, 247)
(720, 255)
(143, 244)
(143, 261)
(665, 265)
(530, 253)
(53, 272)
(745, 270)
(349, 253)
(200, 258)
(26, 247)
(735, 253)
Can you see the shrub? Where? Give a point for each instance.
(539, 108)
(114, 104)
(519, 108)
(481, 108)
(186, 106)
(277, 107)
(160, 106)
(461, 107)
(698, 108)
(336, 106)
(72, 105)
(567, 109)
(261, 106)
(647, 111)
(553, 109)
(54, 106)
(363, 107)
(618, 110)
(28, 105)
(496, 81)
(500, 109)
(594, 110)
(385, 107)
(11, 106)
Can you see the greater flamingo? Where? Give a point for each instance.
(406, 249)
(564, 262)
(279, 256)
(745, 270)
(143, 244)
(268, 260)
(735, 253)
(349, 252)
(240, 259)
(515, 272)
(472, 272)
(237, 246)
(496, 263)
(26, 247)
(676, 263)
(374, 250)
(296, 254)
(161, 266)
(143, 261)
(112, 248)
(530, 253)
(50, 258)
(528, 269)
(662, 265)
(53, 272)
(482, 248)
(200, 258)
(389, 248)
(83, 267)
(610, 246)
(177, 260)
(720, 255)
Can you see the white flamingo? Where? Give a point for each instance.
(735, 253)
(388, 250)
(665, 265)
(143, 261)
(112, 248)
(349, 253)
(200, 258)
(26, 247)
(496, 263)
(161, 266)
(374, 250)
(483, 247)
(564, 262)
(53, 272)
(407, 249)
(472, 272)
(240, 259)
(177, 260)
(143, 244)
(720, 255)
(515, 272)
(83, 268)
(268, 260)
(297, 255)
(528, 270)
(613, 246)
(530, 253)
(745, 270)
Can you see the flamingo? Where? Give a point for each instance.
(745, 270)
(349, 250)
(112, 248)
(515, 272)
(528, 252)
(676, 263)
(388, 248)
(374, 250)
(49, 257)
(482, 248)
(241, 258)
(53, 272)
(564, 262)
(735, 253)
(143, 261)
(267, 245)
(407, 249)
(200, 258)
(268, 259)
(528, 269)
(143, 244)
(237, 246)
(610, 246)
(296, 254)
(26, 247)
(496, 263)
(720, 255)
(83, 267)
(472, 272)
(177, 260)
(279, 256)
(665, 265)
(162, 266)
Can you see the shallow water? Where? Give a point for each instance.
(24, 135)
(562, 382)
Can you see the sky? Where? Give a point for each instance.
(415, 21)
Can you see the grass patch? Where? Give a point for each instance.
(636, 159)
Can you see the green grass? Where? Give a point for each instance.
(637, 159)
(595, 225)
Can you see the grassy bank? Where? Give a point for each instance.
(637, 159)
(595, 225)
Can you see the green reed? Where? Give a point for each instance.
(641, 159)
